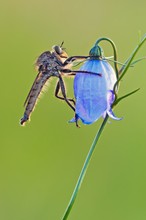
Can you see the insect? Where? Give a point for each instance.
(55, 63)
(94, 95)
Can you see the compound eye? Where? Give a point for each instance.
(58, 50)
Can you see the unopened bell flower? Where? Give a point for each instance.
(94, 91)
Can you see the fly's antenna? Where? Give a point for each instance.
(62, 43)
(63, 48)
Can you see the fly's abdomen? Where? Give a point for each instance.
(34, 95)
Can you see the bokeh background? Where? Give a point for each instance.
(40, 163)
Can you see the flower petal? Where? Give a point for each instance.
(110, 100)
(94, 95)
(112, 115)
(72, 120)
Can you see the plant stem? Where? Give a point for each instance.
(99, 132)
(125, 67)
(115, 52)
(84, 169)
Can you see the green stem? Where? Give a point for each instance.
(115, 52)
(129, 61)
(92, 148)
(125, 96)
(84, 169)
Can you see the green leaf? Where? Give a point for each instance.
(136, 61)
(125, 96)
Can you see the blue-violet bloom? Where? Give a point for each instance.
(93, 93)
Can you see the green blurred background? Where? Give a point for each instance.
(40, 163)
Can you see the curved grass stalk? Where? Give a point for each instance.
(115, 52)
(84, 169)
(124, 69)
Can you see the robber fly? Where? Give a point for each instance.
(51, 63)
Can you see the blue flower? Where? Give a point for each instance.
(94, 93)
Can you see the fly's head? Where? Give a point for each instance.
(50, 60)
(60, 53)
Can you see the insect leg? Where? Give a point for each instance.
(75, 58)
(61, 82)
(76, 121)
(73, 72)
(60, 97)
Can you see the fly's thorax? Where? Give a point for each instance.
(44, 57)
(47, 61)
